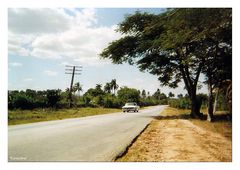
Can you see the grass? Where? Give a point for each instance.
(37, 115)
(169, 111)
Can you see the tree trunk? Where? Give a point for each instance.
(195, 106)
(216, 101)
(191, 84)
(210, 103)
(229, 97)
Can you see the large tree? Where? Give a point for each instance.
(126, 94)
(218, 71)
(218, 65)
(171, 45)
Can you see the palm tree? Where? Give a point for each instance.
(114, 85)
(107, 88)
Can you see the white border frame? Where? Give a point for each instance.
(128, 4)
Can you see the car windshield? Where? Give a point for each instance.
(130, 104)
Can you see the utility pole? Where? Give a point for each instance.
(73, 70)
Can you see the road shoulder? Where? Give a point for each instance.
(176, 139)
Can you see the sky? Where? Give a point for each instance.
(41, 41)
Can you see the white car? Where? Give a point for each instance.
(130, 107)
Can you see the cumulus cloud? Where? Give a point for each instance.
(50, 73)
(66, 34)
(37, 20)
(17, 44)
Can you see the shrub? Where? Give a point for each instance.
(21, 101)
(53, 97)
(126, 94)
(182, 103)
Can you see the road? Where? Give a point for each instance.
(94, 138)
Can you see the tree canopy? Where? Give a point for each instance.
(126, 94)
(172, 45)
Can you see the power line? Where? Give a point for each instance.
(73, 70)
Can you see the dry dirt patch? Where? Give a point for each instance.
(181, 140)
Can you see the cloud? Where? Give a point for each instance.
(50, 73)
(82, 44)
(77, 40)
(15, 64)
(18, 44)
(37, 20)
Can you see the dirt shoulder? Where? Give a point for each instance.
(177, 139)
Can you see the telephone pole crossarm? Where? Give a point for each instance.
(73, 71)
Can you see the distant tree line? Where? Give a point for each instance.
(109, 96)
(30, 99)
(184, 102)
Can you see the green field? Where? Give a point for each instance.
(37, 115)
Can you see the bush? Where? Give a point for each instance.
(110, 101)
(53, 97)
(86, 99)
(149, 101)
(182, 103)
(126, 94)
(21, 101)
(185, 102)
(163, 101)
(107, 102)
(98, 100)
(222, 102)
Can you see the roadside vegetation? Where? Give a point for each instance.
(37, 115)
(98, 96)
(34, 106)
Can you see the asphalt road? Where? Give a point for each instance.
(94, 138)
